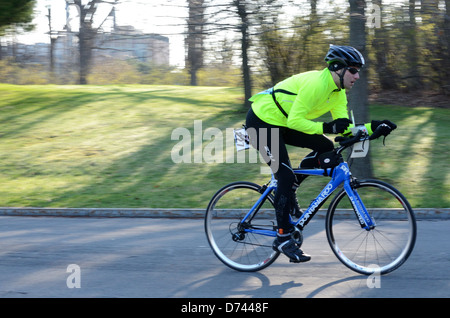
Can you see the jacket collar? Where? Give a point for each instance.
(331, 84)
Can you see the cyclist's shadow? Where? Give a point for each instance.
(229, 283)
(270, 290)
(334, 285)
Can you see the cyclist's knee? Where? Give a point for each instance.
(285, 176)
(325, 146)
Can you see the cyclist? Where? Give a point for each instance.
(283, 115)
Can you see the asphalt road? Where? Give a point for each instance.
(49, 257)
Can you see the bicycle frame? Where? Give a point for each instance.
(339, 175)
(246, 244)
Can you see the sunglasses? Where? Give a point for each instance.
(352, 70)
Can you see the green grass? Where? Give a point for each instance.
(111, 146)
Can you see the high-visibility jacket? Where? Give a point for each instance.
(297, 100)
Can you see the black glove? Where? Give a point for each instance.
(375, 123)
(337, 126)
(381, 128)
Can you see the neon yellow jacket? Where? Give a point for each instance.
(303, 97)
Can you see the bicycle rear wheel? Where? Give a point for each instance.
(233, 241)
(379, 250)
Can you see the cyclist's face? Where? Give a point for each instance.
(350, 78)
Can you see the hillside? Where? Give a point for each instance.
(127, 146)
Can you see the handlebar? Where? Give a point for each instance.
(346, 142)
(361, 135)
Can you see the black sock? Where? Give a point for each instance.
(283, 237)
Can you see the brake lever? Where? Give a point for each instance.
(377, 134)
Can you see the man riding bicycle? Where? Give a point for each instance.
(283, 115)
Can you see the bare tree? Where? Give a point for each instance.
(209, 18)
(86, 33)
(414, 81)
(86, 36)
(242, 11)
(194, 38)
(387, 75)
(446, 26)
(52, 42)
(288, 49)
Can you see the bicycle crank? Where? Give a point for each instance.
(297, 236)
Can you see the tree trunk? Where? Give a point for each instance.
(245, 43)
(414, 82)
(446, 84)
(194, 39)
(358, 100)
(86, 37)
(387, 76)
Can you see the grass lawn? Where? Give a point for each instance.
(114, 146)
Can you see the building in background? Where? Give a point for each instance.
(122, 43)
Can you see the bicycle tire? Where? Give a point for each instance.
(231, 243)
(379, 250)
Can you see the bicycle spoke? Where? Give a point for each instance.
(388, 245)
(233, 242)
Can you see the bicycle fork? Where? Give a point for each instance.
(363, 216)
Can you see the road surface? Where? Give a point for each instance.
(88, 257)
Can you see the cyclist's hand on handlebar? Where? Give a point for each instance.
(383, 129)
(337, 126)
(348, 141)
(376, 123)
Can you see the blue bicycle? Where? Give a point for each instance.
(370, 225)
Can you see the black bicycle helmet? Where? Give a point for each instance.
(340, 56)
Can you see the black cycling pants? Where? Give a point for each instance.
(271, 142)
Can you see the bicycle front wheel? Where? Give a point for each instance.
(244, 246)
(381, 249)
